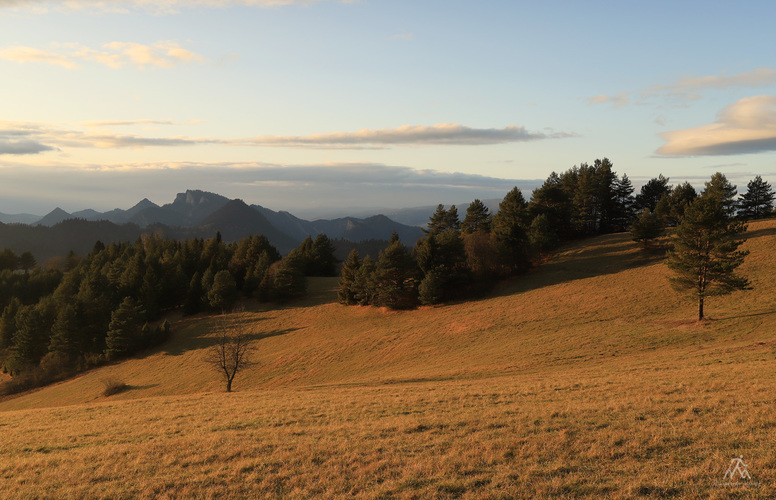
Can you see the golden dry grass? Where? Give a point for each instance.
(587, 378)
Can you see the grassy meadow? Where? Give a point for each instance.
(589, 377)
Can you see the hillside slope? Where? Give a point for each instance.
(588, 378)
(598, 302)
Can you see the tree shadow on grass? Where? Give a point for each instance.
(134, 387)
(181, 343)
(757, 233)
(750, 315)
(604, 255)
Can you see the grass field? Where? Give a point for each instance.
(587, 378)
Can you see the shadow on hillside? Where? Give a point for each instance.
(750, 315)
(609, 254)
(203, 339)
(757, 233)
(133, 387)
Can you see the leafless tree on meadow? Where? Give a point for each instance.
(231, 353)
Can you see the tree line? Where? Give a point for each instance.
(110, 303)
(457, 258)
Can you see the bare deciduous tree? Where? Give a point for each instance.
(231, 353)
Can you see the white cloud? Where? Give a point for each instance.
(746, 126)
(162, 54)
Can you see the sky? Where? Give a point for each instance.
(330, 105)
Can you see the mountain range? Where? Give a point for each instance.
(192, 214)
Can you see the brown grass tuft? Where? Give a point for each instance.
(113, 386)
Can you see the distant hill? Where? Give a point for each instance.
(54, 217)
(19, 218)
(377, 227)
(418, 216)
(236, 220)
(196, 205)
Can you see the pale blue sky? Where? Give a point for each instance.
(305, 106)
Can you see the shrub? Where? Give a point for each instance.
(113, 386)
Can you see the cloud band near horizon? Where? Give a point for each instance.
(275, 186)
(45, 137)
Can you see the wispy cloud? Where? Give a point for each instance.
(746, 126)
(760, 77)
(619, 100)
(161, 54)
(31, 54)
(127, 123)
(54, 136)
(409, 135)
(689, 88)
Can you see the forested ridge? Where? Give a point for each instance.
(110, 303)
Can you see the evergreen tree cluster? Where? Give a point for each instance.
(457, 259)
(662, 205)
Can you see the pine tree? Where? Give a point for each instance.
(672, 205)
(720, 189)
(193, 302)
(478, 218)
(431, 289)
(510, 231)
(364, 285)
(542, 235)
(651, 192)
(396, 277)
(625, 203)
(347, 289)
(65, 333)
(443, 220)
(124, 330)
(646, 228)
(288, 278)
(8, 260)
(223, 294)
(8, 323)
(757, 202)
(443, 255)
(554, 202)
(27, 261)
(706, 255)
(31, 338)
(323, 262)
